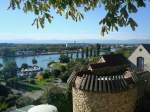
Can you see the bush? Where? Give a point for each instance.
(64, 59)
(3, 106)
(56, 72)
(24, 66)
(23, 101)
(46, 74)
(39, 77)
(32, 81)
(64, 77)
(4, 91)
(59, 97)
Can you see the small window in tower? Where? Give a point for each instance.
(140, 49)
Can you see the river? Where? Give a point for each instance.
(43, 60)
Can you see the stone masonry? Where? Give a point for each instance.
(84, 101)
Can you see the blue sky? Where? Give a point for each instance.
(16, 25)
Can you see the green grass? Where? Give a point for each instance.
(37, 85)
(58, 65)
(3, 106)
(41, 83)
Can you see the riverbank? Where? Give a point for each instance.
(39, 54)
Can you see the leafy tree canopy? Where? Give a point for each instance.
(10, 70)
(24, 66)
(117, 11)
(34, 61)
(64, 59)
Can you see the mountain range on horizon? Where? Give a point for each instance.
(132, 41)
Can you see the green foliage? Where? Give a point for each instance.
(82, 53)
(94, 54)
(98, 49)
(7, 98)
(71, 55)
(64, 77)
(4, 91)
(117, 11)
(23, 101)
(34, 61)
(46, 74)
(64, 59)
(59, 97)
(1, 65)
(3, 106)
(48, 65)
(24, 66)
(56, 72)
(87, 52)
(126, 51)
(77, 54)
(7, 52)
(21, 85)
(91, 51)
(10, 70)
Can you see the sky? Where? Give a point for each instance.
(15, 26)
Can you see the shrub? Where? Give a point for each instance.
(39, 77)
(23, 101)
(56, 72)
(46, 74)
(4, 91)
(64, 59)
(3, 106)
(59, 97)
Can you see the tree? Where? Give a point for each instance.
(91, 51)
(24, 66)
(71, 55)
(7, 52)
(64, 59)
(98, 49)
(87, 52)
(10, 70)
(34, 61)
(118, 12)
(46, 74)
(60, 97)
(1, 65)
(77, 54)
(67, 54)
(82, 53)
(94, 52)
(56, 72)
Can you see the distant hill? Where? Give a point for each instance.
(133, 41)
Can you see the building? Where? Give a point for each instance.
(29, 71)
(140, 58)
(111, 60)
(106, 88)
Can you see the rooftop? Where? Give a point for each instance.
(95, 81)
(110, 61)
(147, 47)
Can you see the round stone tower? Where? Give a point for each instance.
(99, 91)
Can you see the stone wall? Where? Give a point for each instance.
(104, 102)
